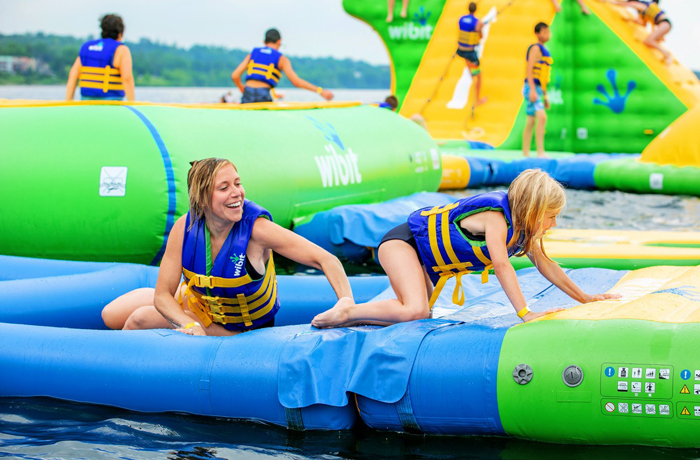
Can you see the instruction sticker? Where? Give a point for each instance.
(697, 375)
(621, 386)
(685, 374)
(685, 411)
(610, 407)
(664, 374)
(113, 181)
(684, 390)
(697, 411)
(609, 371)
(650, 374)
(622, 373)
(696, 390)
(664, 409)
(636, 372)
(650, 387)
(636, 408)
(636, 387)
(623, 408)
(650, 409)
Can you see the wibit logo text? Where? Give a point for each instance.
(338, 168)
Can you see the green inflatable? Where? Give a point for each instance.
(106, 181)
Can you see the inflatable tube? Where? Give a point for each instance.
(678, 144)
(502, 167)
(73, 294)
(354, 233)
(116, 172)
(630, 175)
(474, 369)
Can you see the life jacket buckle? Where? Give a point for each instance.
(203, 281)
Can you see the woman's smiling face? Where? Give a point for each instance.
(227, 196)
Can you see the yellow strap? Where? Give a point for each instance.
(245, 314)
(101, 78)
(432, 236)
(269, 274)
(209, 312)
(446, 240)
(436, 291)
(100, 70)
(196, 305)
(103, 86)
(204, 281)
(438, 209)
(226, 319)
(488, 265)
(268, 71)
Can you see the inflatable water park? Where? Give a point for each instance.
(89, 221)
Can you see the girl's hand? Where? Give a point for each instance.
(538, 314)
(597, 297)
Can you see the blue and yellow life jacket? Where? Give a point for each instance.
(543, 68)
(98, 77)
(222, 291)
(651, 13)
(444, 248)
(264, 65)
(468, 36)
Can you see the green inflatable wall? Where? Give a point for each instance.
(106, 182)
(588, 58)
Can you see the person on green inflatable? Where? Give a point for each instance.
(537, 75)
(476, 233)
(650, 13)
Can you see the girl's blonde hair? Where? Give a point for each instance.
(531, 195)
(200, 185)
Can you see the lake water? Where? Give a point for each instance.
(47, 429)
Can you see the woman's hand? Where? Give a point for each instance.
(538, 314)
(194, 330)
(588, 298)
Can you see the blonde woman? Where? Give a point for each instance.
(223, 247)
(474, 234)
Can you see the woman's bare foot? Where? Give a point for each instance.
(542, 155)
(481, 101)
(390, 16)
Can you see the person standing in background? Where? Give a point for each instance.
(104, 67)
(263, 67)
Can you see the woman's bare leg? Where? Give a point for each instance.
(408, 279)
(115, 313)
(653, 40)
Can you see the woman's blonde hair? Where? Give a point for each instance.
(200, 185)
(531, 195)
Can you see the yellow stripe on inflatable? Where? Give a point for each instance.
(664, 294)
(616, 244)
(20, 103)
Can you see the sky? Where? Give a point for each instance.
(315, 28)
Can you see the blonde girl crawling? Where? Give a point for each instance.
(476, 233)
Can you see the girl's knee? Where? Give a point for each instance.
(417, 310)
(541, 116)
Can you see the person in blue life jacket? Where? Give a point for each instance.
(223, 249)
(469, 37)
(538, 71)
(103, 68)
(650, 13)
(476, 233)
(390, 103)
(263, 69)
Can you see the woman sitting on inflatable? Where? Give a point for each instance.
(223, 246)
(474, 234)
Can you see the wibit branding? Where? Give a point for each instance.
(97, 46)
(238, 261)
(416, 29)
(338, 167)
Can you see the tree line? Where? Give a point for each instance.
(158, 64)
